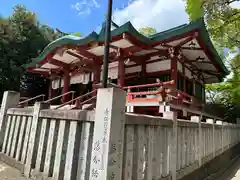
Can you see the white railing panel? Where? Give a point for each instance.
(20, 139)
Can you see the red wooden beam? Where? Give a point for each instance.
(149, 74)
(112, 57)
(59, 63)
(187, 40)
(208, 53)
(191, 48)
(185, 60)
(86, 53)
(196, 61)
(213, 73)
(44, 73)
(81, 70)
(135, 41)
(140, 59)
(113, 47)
(50, 71)
(159, 52)
(126, 51)
(195, 68)
(145, 62)
(156, 60)
(49, 56)
(174, 38)
(132, 49)
(211, 77)
(82, 59)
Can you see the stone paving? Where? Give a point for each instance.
(9, 173)
(233, 173)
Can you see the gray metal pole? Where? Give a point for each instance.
(107, 42)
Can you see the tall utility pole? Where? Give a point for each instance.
(107, 42)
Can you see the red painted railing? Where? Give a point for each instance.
(60, 96)
(26, 102)
(164, 92)
(78, 102)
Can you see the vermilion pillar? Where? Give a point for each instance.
(121, 73)
(174, 71)
(66, 86)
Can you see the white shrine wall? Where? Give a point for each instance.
(158, 66)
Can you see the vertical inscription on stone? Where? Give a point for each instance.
(105, 139)
(108, 135)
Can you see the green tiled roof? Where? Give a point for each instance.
(128, 27)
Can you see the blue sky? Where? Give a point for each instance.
(86, 16)
(67, 15)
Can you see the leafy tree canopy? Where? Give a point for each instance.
(223, 23)
(22, 38)
(147, 31)
(222, 19)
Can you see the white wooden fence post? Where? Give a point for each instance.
(173, 154)
(10, 100)
(222, 146)
(238, 121)
(211, 121)
(200, 142)
(38, 106)
(107, 150)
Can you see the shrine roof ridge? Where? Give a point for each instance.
(197, 25)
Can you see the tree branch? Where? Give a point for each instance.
(231, 1)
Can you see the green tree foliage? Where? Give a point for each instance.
(194, 9)
(77, 34)
(223, 23)
(222, 19)
(22, 37)
(63, 33)
(147, 31)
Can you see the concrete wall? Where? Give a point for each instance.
(109, 144)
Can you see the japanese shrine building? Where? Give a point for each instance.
(184, 54)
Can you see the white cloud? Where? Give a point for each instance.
(235, 4)
(160, 14)
(85, 6)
